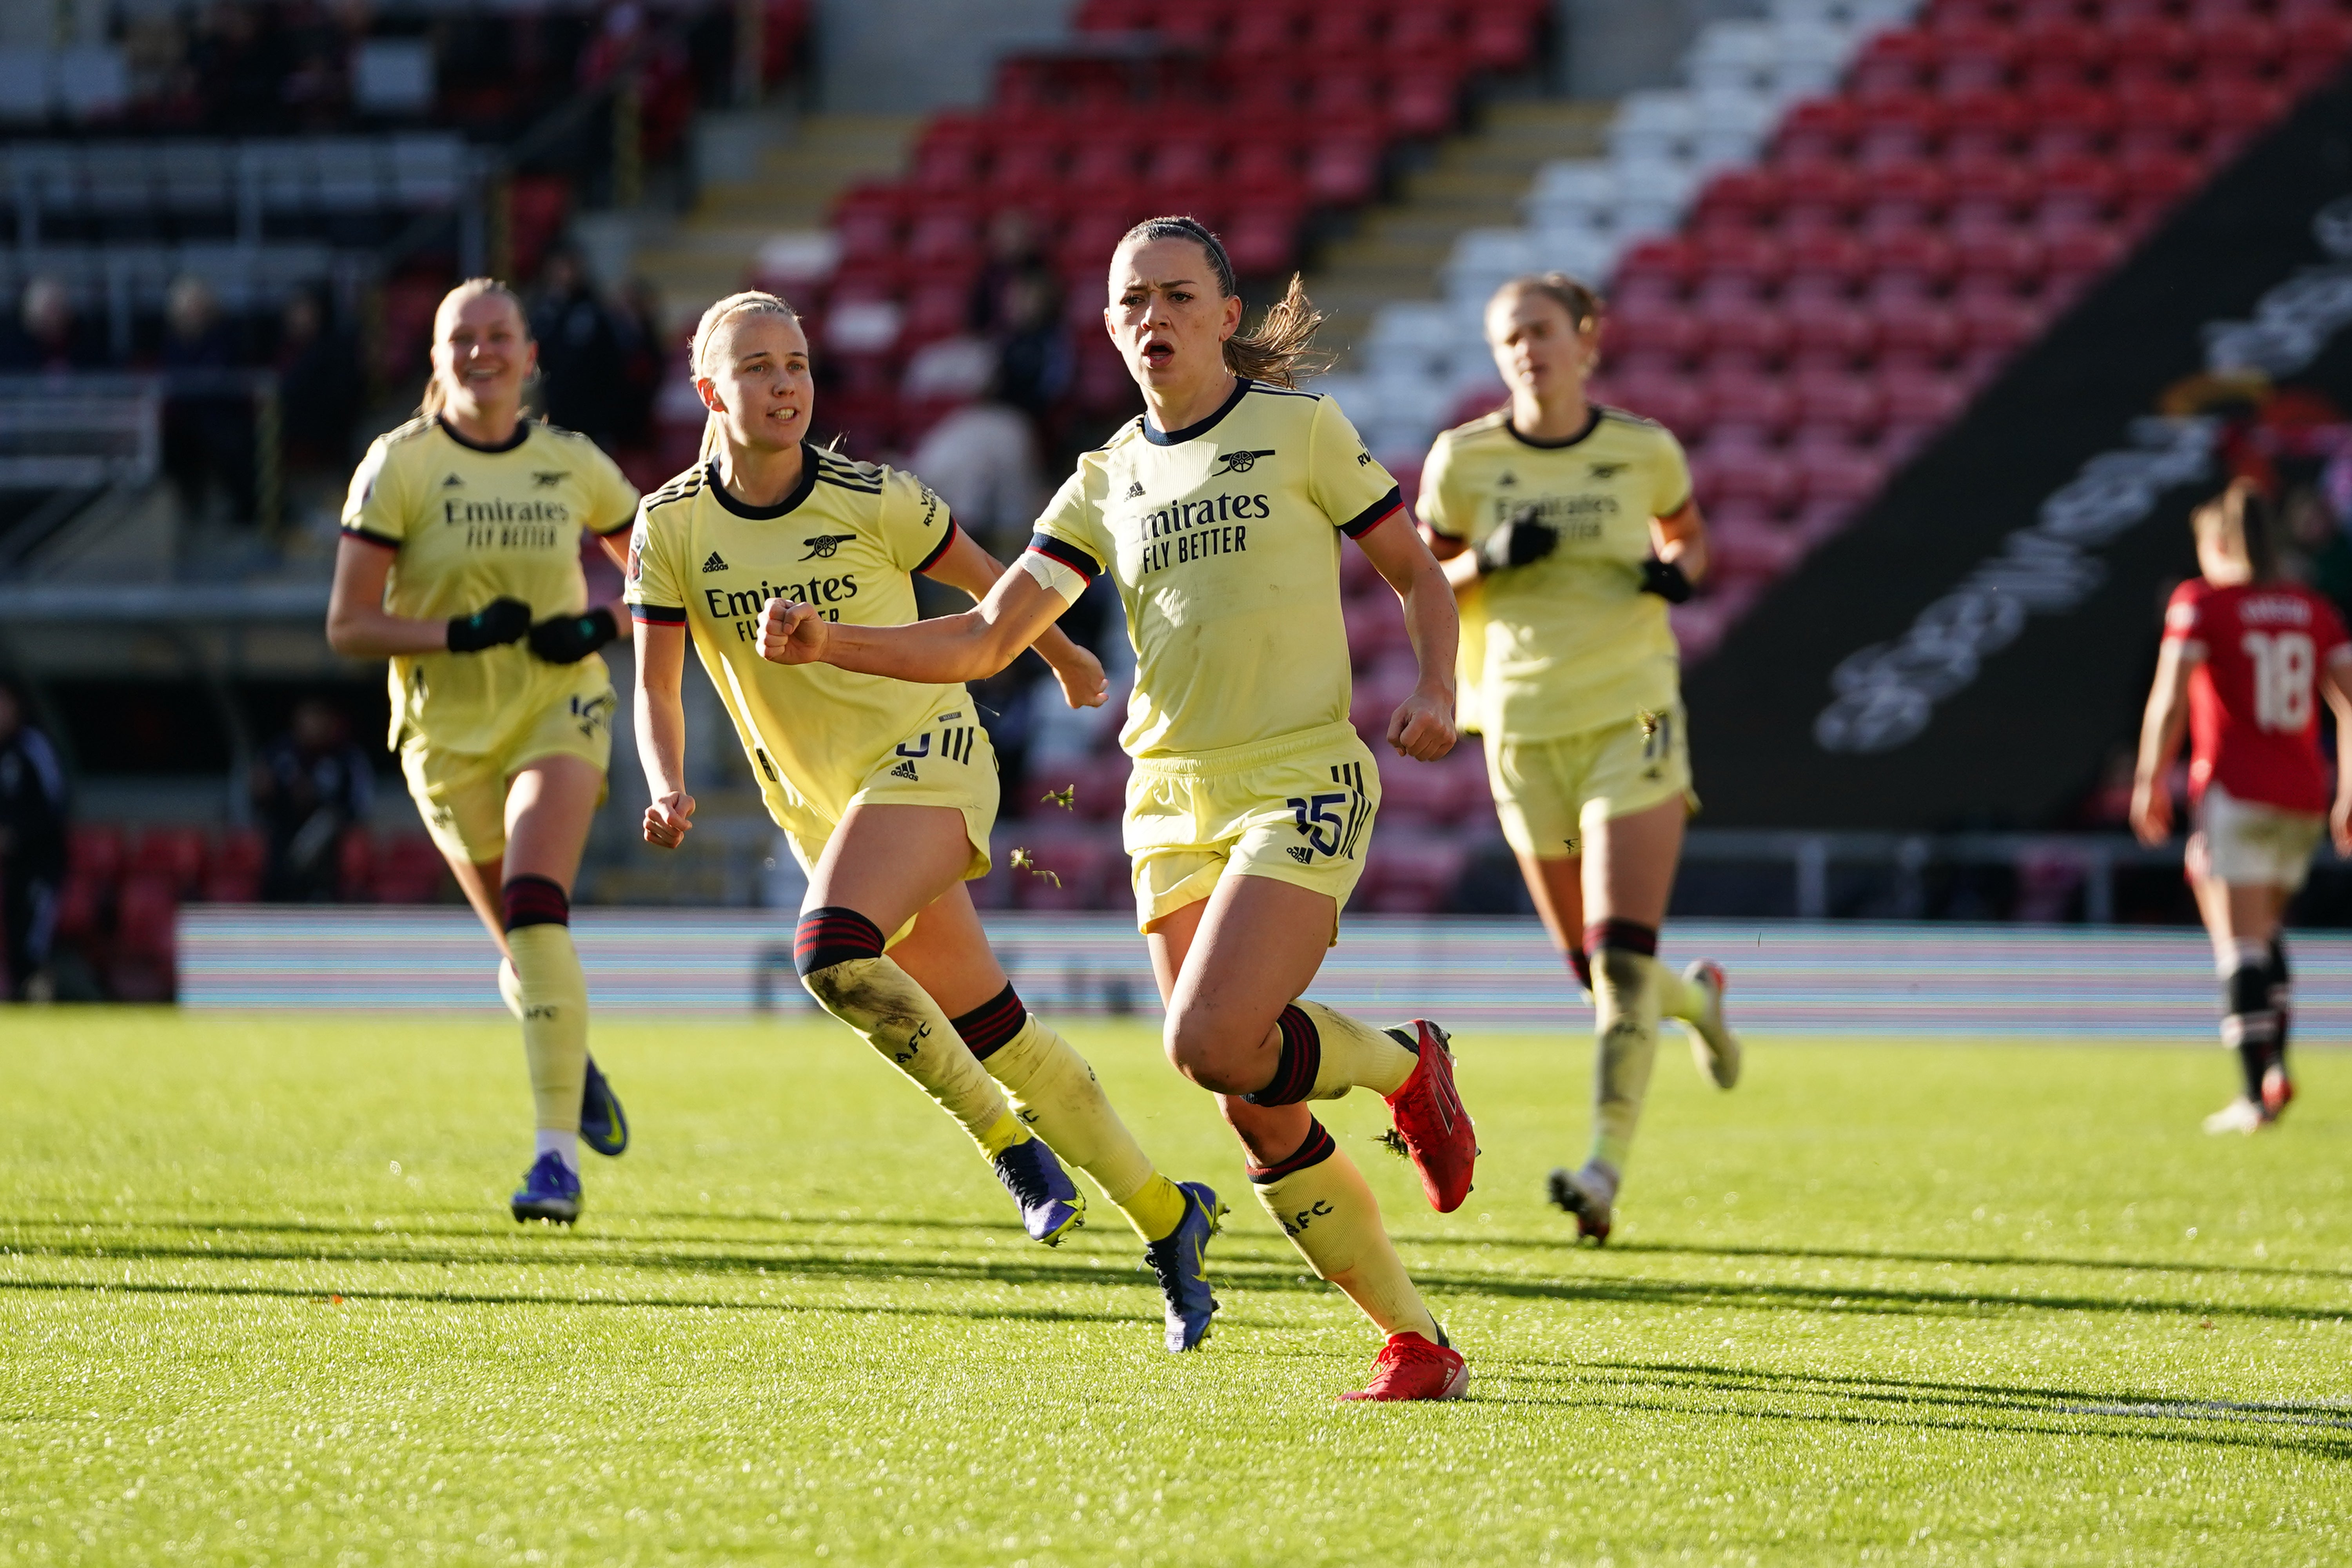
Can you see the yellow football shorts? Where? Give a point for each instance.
(462, 795)
(1298, 810)
(1547, 791)
(947, 762)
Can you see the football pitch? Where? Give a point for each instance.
(1888, 1301)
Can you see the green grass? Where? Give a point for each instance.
(260, 1299)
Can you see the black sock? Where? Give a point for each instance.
(2250, 1026)
(2281, 996)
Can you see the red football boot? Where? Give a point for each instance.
(1431, 1122)
(1410, 1367)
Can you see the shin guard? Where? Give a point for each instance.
(552, 994)
(1625, 1026)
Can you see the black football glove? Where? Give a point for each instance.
(1525, 539)
(500, 622)
(568, 639)
(1666, 580)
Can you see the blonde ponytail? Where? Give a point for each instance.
(749, 303)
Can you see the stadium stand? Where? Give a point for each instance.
(1808, 285)
(2009, 580)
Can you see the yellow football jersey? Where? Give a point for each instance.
(473, 524)
(1223, 539)
(1569, 643)
(848, 539)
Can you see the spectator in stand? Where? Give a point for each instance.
(1013, 252)
(32, 848)
(982, 457)
(207, 412)
(580, 353)
(317, 385)
(637, 325)
(1033, 358)
(311, 786)
(47, 335)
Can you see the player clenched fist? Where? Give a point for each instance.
(792, 632)
(668, 818)
(1423, 726)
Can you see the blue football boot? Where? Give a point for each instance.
(604, 1125)
(1050, 1205)
(1180, 1260)
(550, 1191)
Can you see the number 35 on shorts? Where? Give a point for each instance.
(1331, 823)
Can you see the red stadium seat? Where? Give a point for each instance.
(1828, 335)
(2244, 44)
(1910, 265)
(1997, 263)
(1422, 99)
(867, 216)
(1737, 199)
(1343, 170)
(2078, 256)
(409, 870)
(1642, 338)
(94, 849)
(1990, 124)
(232, 874)
(1818, 131)
(2154, 182)
(1740, 267)
(1677, 402)
(1971, 55)
(1726, 473)
(1897, 61)
(1904, 195)
(82, 906)
(2315, 42)
(1827, 265)
(2235, 109)
(176, 854)
(1846, 405)
(1413, 873)
(1263, 171)
(1744, 542)
(1262, 238)
(1899, 129)
(141, 967)
(1987, 192)
(1921, 336)
(2149, 51)
(2076, 191)
(1743, 336)
(2060, 50)
(1818, 197)
(2157, 118)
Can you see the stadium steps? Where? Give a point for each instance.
(2020, 719)
(711, 252)
(1475, 180)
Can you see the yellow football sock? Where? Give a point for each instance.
(1625, 1022)
(1331, 1215)
(1058, 1097)
(510, 988)
(899, 1019)
(553, 993)
(1678, 998)
(1356, 1054)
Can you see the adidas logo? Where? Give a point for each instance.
(905, 770)
(452, 482)
(1607, 470)
(1135, 491)
(1508, 478)
(716, 563)
(1300, 854)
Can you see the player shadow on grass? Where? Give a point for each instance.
(2322, 1428)
(1244, 1262)
(1860, 1255)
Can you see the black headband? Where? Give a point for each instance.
(1173, 226)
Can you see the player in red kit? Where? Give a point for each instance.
(2246, 658)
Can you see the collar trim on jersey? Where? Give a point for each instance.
(522, 433)
(1241, 385)
(1592, 423)
(766, 513)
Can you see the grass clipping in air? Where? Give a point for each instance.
(1964, 1305)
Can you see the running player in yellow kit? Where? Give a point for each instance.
(460, 563)
(885, 790)
(1219, 515)
(1568, 528)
